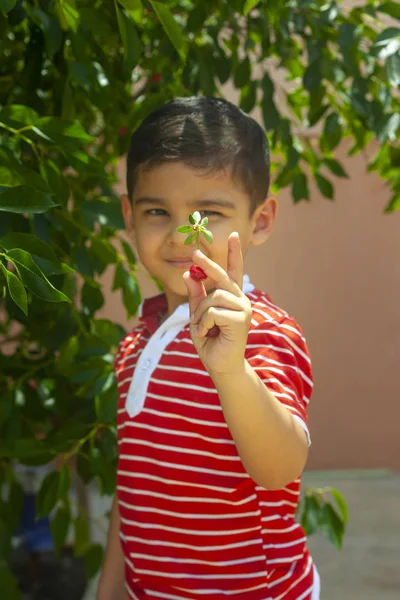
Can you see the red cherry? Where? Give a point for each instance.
(123, 131)
(197, 273)
(156, 77)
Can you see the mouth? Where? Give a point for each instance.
(183, 264)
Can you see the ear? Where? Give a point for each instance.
(264, 221)
(127, 211)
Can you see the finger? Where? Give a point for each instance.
(218, 299)
(216, 273)
(196, 292)
(223, 318)
(235, 259)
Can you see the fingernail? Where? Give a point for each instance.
(199, 253)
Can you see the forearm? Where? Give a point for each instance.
(112, 580)
(272, 444)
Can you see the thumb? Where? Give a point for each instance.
(196, 291)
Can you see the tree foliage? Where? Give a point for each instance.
(76, 78)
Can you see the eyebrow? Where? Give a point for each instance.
(196, 204)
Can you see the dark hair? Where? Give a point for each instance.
(205, 133)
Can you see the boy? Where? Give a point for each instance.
(212, 431)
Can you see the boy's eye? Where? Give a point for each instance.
(156, 212)
(209, 213)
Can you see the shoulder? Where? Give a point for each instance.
(129, 345)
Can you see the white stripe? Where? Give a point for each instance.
(269, 347)
(180, 433)
(131, 594)
(285, 544)
(179, 353)
(182, 467)
(295, 583)
(186, 386)
(284, 560)
(182, 418)
(182, 450)
(202, 532)
(286, 530)
(182, 515)
(185, 402)
(193, 576)
(194, 561)
(140, 540)
(180, 369)
(174, 482)
(279, 503)
(227, 592)
(265, 359)
(288, 575)
(288, 340)
(185, 498)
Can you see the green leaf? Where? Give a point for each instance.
(324, 186)
(208, 235)
(23, 199)
(130, 40)
(67, 13)
(394, 204)
(311, 514)
(16, 289)
(249, 5)
(242, 74)
(105, 211)
(269, 112)
(106, 403)
(387, 42)
(248, 96)
(340, 501)
(335, 167)
(93, 560)
(63, 132)
(192, 220)
(131, 4)
(197, 217)
(33, 245)
(390, 8)
(18, 115)
(33, 278)
(204, 222)
(81, 531)
(48, 494)
(332, 133)
(300, 188)
(130, 289)
(65, 481)
(190, 239)
(184, 229)
(170, 26)
(393, 69)
(104, 250)
(15, 175)
(57, 182)
(92, 298)
(388, 128)
(332, 525)
(51, 29)
(312, 77)
(9, 586)
(59, 526)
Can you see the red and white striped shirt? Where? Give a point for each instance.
(193, 523)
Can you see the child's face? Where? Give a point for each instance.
(162, 200)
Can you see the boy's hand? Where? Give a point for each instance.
(226, 307)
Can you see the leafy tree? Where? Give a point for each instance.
(76, 77)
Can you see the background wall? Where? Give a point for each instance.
(335, 267)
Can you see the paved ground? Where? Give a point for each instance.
(368, 567)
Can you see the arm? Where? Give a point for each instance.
(112, 580)
(272, 445)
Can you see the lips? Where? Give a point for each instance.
(181, 263)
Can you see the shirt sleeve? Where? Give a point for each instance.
(278, 353)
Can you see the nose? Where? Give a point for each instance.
(174, 237)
